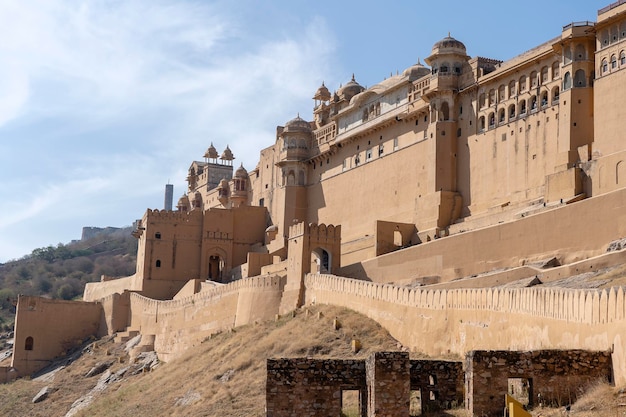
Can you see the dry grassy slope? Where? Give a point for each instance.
(224, 376)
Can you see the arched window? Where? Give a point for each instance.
(622, 58)
(567, 81)
(158, 263)
(533, 103)
(604, 66)
(29, 343)
(614, 34)
(445, 111)
(522, 107)
(544, 99)
(512, 89)
(501, 115)
(533, 79)
(501, 93)
(580, 79)
(605, 37)
(555, 70)
(444, 68)
(481, 101)
(544, 75)
(492, 97)
(555, 95)
(512, 112)
(365, 115)
(613, 61)
(522, 84)
(492, 120)
(481, 124)
(622, 31)
(567, 55)
(580, 54)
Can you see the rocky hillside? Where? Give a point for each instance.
(61, 271)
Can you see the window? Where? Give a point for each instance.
(512, 112)
(512, 89)
(522, 107)
(533, 103)
(613, 61)
(522, 84)
(395, 144)
(580, 54)
(368, 154)
(544, 99)
(157, 235)
(492, 97)
(492, 120)
(622, 58)
(533, 79)
(261, 202)
(444, 68)
(28, 343)
(357, 161)
(567, 81)
(579, 78)
(381, 149)
(481, 124)
(501, 114)
(555, 95)
(605, 66)
(481, 101)
(501, 93)
(555, 70)
(158, 263)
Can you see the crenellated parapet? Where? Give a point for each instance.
(172, 216)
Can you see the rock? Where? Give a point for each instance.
(43, 394)
(132, 343)
(99, 368)
(189, 398)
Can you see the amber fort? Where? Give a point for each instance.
(431, 202)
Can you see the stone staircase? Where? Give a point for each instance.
(123, 337)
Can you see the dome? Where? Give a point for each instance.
(449, 44)
(297, 124)
(322, 93)
(211, 152)
(351, 89)
(416, 71)
(227, 155)
(241, 172)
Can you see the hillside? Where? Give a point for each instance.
(62, 271)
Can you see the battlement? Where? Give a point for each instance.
(167, 215)
(316, 231)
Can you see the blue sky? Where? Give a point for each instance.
(103, 102)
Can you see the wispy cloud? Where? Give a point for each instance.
(102, 101)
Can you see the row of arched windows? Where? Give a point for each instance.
(580, 79)
(520, 109)
(519, 86)
(613, 63)
(446, 68)
(613, 34)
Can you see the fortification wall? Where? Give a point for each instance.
(458, 321)
(567, 230)
(45, 329)
(97, 290)
(185, 322)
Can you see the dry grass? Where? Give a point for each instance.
(601, 400)
(223, 376)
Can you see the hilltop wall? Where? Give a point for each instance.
(185, 322)
(440, 322)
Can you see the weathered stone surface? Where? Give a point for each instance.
(43, 394)
(98, 368)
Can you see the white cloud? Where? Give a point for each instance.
(103, 101)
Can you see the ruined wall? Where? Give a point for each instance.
(45, 329)
(458, 321)
(554, 377)
(441, 383)
(311, 387)
(388, 384)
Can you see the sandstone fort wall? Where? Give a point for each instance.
(456, 321)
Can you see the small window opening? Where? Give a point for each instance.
(158, 263)
(28, 343)
(157, 235)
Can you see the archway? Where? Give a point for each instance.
(216, 268)
(321, 261)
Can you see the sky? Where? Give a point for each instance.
(103, 102)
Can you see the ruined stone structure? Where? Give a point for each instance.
(315, 387)
(470, 167)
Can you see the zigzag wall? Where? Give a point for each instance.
(440, 322)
